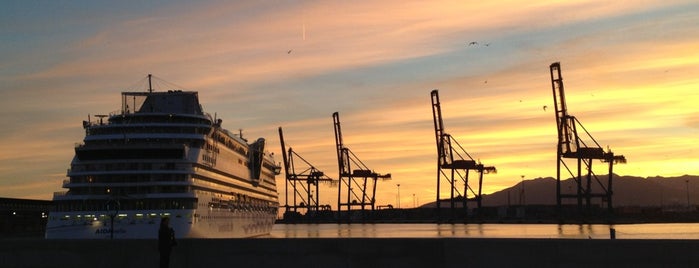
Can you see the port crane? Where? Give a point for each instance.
(580, 148)
(359, 181)
(304, 180)
(454, 165)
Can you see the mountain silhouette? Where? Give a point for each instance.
(628, 191)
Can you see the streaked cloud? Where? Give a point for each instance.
(630, 70)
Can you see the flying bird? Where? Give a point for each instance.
(545, 107)
(289, 52)
(473, 43)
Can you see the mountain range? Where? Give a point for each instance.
(627, 191)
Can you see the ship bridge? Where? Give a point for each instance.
(169, 102)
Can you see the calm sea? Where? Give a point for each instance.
(566, 231)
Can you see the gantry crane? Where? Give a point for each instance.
(302, 181)
(583, 149)
(453, 162)
(354, 180)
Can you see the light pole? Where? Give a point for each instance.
(687, 182)
(521, 193)
(398, 194)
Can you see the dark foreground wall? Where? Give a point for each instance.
(354, 252)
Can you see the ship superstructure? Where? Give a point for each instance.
(160, 156)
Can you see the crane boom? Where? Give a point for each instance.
(304, 184)
(581, 146)
(356, 181)
(454, 164)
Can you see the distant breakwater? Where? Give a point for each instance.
(504, 214)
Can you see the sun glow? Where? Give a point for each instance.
(630, 74)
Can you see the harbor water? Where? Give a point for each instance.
(538, 231)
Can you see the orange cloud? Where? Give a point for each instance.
(629, 72)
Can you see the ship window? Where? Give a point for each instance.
(101, 154)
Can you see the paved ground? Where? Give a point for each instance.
(354, 252)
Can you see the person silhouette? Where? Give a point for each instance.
(166, 240)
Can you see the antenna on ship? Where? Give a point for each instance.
(240, 133)
(150, 86)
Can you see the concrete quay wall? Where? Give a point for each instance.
(353, 252)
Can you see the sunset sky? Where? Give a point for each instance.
(630, 69)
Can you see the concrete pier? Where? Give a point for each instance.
(353, 252)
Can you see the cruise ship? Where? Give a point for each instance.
(160, 156)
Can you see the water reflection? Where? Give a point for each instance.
(590, 231)
(561, 231)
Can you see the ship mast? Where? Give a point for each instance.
(150, 86)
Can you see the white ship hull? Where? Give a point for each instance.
(194, 223)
